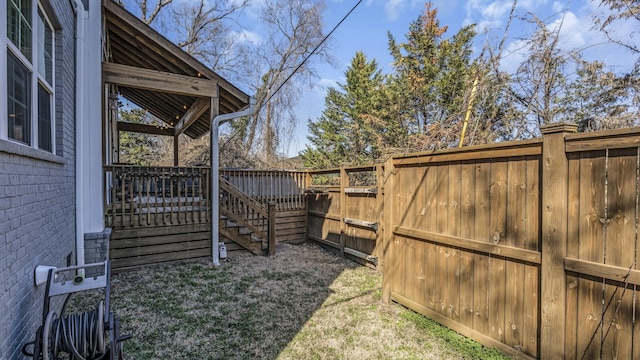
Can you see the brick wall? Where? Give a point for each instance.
(37, 204)
(96, 249)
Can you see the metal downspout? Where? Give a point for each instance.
(215, 180)
(79, 129)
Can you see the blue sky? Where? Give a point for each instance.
(366, 30)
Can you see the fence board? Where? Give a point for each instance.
(454, 199)
(620, 237)
(530, 332)
(442, 282)
(514, 304)
(516, 197)
(468, 201)
(452, 299)
(590, 292)
(466, 288)
(573, 223)
(481, 293)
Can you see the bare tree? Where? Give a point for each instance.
(149, 10)
(204, 30)
(290, 30)
(620, 10)
(542, 78)
(294, 30)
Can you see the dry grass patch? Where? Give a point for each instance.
(303, 303)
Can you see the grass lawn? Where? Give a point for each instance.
(303, 303)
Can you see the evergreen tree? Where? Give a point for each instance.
(434, 74)
(138, 148)
(356, 124)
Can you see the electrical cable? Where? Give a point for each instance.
(302, 63)
(314, 50)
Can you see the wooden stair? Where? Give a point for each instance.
(241, 235)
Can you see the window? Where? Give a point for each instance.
(30, 76)
(18, 100)
(19, 25)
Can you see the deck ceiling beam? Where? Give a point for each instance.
(158, 43)
(144, 128)
(160, 81)
(195, 111)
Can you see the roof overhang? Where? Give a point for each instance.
(158, 76)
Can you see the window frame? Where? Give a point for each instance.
(37, 81)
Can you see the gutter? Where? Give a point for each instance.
(79, 129)
(215, 180)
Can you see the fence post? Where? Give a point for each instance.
(555, 172)
(377, 251)
(388, 261)
(271, 235)
(344, 182)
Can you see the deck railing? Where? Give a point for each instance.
(140, 196)
(284, 188)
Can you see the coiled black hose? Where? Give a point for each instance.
(80, 335)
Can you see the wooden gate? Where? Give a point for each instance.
(345, 211)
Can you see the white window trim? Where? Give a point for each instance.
(3, 70)
(41, 79)
(36, 77)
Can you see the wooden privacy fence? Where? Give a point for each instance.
(345, 208)
(528, 246)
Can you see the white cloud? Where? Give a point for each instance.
(515, 53)
(488, 15)
(497, 9)
(327, 83)
(530, 5)
(246, 36)
(392, 8)
(558, 7)
(572, 30)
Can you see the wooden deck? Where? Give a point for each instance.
(161, 214)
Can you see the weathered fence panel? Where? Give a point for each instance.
(345, 211)
(464, 248)
(601, 261)
(528, 246)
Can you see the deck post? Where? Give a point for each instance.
(175, 150)
(555, 185)
(271, 247)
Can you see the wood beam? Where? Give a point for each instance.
(144, 128)
(155, 41)
(195, 111)
(157, 80)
